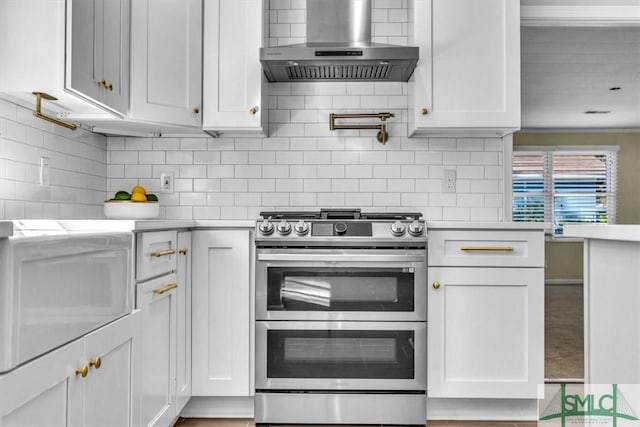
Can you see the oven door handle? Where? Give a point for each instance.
(342, 258)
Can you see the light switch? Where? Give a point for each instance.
(45, 172)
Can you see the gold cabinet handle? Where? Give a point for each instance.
(487, 248)
(82, 371)
(253, 110)
(183, 251)
(96, 363)
(165, 252)
(102, 83)
(436, 285)
(110, 87)
(424, 111)
(196, 110)
(164, 289)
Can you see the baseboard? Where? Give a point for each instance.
(218, 407)
(551, 282)
(482, 409)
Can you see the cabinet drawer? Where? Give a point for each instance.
(156, 253)
(486, 248)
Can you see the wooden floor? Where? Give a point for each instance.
(207, 422)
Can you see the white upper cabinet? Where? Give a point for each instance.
(467, 81)
(233, 83)
(166, 61)
(36, 38)
(98, 51)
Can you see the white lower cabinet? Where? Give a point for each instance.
(183, 322)
(89, 382)
(485, 332)
(157, 300)
(485, 313)
(223, 313)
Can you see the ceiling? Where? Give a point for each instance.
(567, 71)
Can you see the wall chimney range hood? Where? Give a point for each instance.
(338, 48)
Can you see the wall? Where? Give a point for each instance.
(302, 165)
(78, 168)
(564, 259)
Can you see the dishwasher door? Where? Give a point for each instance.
(55, 289)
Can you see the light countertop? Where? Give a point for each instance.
(507, 225)
(622, 232)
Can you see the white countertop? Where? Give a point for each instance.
(622, 232)
(507, 225)
(101, 225)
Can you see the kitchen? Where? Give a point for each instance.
(300, 166)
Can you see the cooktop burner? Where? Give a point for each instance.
(352, 214)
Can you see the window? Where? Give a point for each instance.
(564, 185)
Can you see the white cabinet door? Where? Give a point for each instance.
(467, 81)
(98, 51)
(486, 332)
(51, 391)
(109, 386)
(233, 82)
(223, 313)
(166, 61)
(183, 338)
(40, 393)
(157, 300)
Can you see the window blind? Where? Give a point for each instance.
(565, 186)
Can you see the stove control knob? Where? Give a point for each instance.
(416, 228)
(301, 228)
(284, 227)
(397, 228)
(266, 227)
(340, 228)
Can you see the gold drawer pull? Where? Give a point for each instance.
(96, 363)
(164, 289)
(163, 253)
(82, 371)
(183, 251)
(487, 248)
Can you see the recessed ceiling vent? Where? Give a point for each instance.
(338, 47)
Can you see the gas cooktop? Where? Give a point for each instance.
(332, 226)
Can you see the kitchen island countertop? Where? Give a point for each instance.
(621, 232)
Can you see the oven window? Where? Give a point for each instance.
(343, 289)
(340, 354)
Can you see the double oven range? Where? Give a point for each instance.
(341, 318)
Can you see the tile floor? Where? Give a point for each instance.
(203, 422)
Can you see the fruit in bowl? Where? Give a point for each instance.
(136, 204)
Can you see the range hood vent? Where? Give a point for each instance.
(338, 47)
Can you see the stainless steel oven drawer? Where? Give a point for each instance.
(294, 355)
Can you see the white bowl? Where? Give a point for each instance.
(126, 209)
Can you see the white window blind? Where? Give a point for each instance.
(564, 186)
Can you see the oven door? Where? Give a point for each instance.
(341, 284)
(361, 356)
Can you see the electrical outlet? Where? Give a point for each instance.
(45, 172)
(166, 182)
(450, 181)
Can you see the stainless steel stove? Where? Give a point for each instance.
(340, 318)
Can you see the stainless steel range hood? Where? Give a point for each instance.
(338, 47)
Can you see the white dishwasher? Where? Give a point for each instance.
(57, 285)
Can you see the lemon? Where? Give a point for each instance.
(138, 189)
(138, 197)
